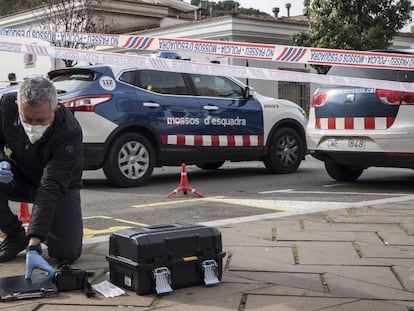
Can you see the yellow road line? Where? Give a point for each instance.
(167, 203)
(224, 201)
(117, 219)
(131, 222)
(91, 232)
(87, 232)
(94, 217)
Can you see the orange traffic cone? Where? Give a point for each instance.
(24, 214)
(184, 186)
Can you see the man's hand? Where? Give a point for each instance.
(35, 261)
(6, 175)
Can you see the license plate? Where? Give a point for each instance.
(356, 143)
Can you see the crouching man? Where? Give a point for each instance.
(40, 163)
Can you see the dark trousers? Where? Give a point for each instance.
(64, 240)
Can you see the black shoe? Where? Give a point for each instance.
(12, 245)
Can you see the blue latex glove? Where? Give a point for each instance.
(6, 175)
(35, 261)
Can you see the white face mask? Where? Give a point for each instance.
(34, 132)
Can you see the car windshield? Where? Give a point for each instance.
(72, 81)
(371, 73)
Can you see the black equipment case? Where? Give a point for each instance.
(161, 258)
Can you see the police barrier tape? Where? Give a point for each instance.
(136, 61)
(268, 52)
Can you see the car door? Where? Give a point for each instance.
(229, 118)
(169, 108)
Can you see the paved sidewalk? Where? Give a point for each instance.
(353, 259)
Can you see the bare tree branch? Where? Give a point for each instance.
(82, 16)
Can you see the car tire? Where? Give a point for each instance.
(285, 152)
(210, 166)
(341, 172)
(130, 161)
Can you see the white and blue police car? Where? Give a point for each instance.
(353, 128)
(136, 119)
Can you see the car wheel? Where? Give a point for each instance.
(210, 166)
(285, 152)
(130, 161)
(341, 172)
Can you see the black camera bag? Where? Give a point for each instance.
(68, 279)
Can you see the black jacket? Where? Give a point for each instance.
(52, 165)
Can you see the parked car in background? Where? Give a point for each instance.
(136, 119)
(353, 128)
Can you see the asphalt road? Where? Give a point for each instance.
(235, 193)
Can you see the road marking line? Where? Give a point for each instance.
(333, 185)
(101, 217)
(92, 232)
(383, 201)
(333, 192)
(250, 203)
(131, 222)
(169, 202)
(219, 199)
(117, 219)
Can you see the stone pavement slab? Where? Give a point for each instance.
(206, 297)
(315, 231)
(386, 251)
(52, 307)
(282, 303)
(373, 275)
(395, 236)
(367, 305)
(281, 290)
(346, 287)
(372, 218)
(327, 253)
(259, 258)
(244, 240)
(305, 281)
(406, 275)
(267, 303)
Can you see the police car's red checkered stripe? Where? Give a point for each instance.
(363, 123)
(214, 140)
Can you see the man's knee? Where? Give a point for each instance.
(64, 254)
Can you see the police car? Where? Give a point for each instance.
(136, 119)
(353, 128)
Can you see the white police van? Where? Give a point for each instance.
(136, 119)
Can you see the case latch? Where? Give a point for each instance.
(162, 277)
(210, 269)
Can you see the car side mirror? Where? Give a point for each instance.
(249, 92)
